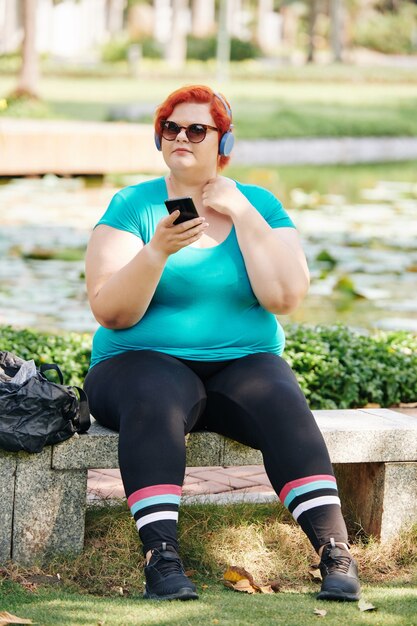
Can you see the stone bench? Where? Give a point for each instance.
(43, 496)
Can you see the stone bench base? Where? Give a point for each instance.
(44, 495)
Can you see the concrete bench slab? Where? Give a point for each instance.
(374, 452)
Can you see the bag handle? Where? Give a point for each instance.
(84, 421)
(52, 366)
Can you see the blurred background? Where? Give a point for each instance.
(324, 99)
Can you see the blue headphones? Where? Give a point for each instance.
(227, 140)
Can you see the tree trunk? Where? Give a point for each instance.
(223, 43)
(203, 18)
(27, 85)
(265, 8)
(115, 15)
(336, 20)
(176, 51)
(312, 19)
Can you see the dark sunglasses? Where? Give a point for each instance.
(195, 132)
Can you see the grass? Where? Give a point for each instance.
(396, 606)
(292, 103)
(262, 538)
(345, 180)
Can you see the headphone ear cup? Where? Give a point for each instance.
(226, 144)
(157, 142)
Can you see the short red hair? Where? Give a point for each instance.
(200, 94)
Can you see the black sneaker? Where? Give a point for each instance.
(340, 574)
(165, 577)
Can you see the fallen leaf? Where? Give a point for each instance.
(29, 586)
(239, 579)
(234, 573)
(320, 612)
(266, 589)
(315, 574)
(190, 572)
(363, 605)
(244, 585)
(204, 586)
(228, 584)
(8, 618)
(215, 621)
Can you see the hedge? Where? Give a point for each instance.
(336, 366)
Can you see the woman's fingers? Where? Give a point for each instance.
(192, 232)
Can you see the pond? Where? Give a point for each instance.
(362, 255)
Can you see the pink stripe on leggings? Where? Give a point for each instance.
(154, 490)
(302, 481)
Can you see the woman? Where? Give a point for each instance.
(189, 340)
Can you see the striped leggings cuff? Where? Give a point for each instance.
(155, 503)
(308, 493)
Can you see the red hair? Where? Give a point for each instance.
(200, 94)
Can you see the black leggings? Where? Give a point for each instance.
(154, 399)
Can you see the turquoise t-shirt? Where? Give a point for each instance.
(203, 308)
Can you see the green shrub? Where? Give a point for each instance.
(201, 48)
(336, 366)
(390, 33)
(204, 48)
(151, 48)
(71, 351)
(115, 50)
(240, 50)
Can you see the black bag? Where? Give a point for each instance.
(35, 412)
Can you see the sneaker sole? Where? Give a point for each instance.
(338, 595)
(181, 594)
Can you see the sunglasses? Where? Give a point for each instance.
(195, 132)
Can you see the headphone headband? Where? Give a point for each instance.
(226, 106)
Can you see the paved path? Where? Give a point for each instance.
(209, 484)
(78, 147)
(326, 150)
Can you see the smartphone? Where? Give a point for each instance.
(185, 206)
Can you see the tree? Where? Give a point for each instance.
(176, 50)
(202, 17)
(115, 11)
(336, 20)
(27, 85)
(223, 43)
(312, 19)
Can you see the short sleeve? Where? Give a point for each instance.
(268, 206)
(120, 214)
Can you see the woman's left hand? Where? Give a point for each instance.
(222, 195)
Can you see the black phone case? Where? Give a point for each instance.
(185, 206)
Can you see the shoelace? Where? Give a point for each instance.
(166, 566)
(336, 562)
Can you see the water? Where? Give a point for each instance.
(362, 257)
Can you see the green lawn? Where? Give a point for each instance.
(396, 606)
(262, 538)
(263, 107)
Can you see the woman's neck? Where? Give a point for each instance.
(179, 186)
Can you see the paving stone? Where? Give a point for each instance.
(190, 480)
(207, 486)
(232, 482)
(263, 489)
(244, 470)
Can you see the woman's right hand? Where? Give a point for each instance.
(169, 238)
